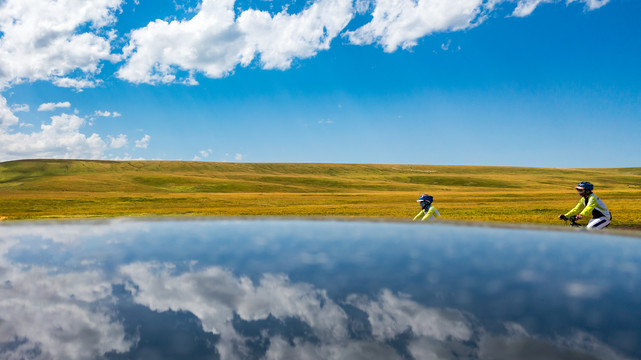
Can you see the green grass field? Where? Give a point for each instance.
(58, 189)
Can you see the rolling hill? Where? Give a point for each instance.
(43, 189)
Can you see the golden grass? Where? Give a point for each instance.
(45, 189)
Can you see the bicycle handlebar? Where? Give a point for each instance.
(572, 220)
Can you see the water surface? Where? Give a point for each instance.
(276, 289)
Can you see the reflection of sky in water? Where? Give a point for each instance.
(272, 289)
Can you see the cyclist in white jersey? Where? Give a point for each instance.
(601, 216)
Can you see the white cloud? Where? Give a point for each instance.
(53, 106)
(77, 84)
(526, 7)
(592, 4)
(400, 23)
(66, 42)
(20, 108)
(7, 118)
(59, 139)
(119, 142)
(236, 157)
(47, 40)
(214, 41)
(143, 142)
(362, 6)
(106, 113)
(62, 137)
(202, 154)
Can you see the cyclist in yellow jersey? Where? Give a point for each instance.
(427, 210)
(601, 216)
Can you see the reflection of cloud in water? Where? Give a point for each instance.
(394, 326)
(54, 313)
(71, 233)
(391, 315)
(55, 316)
(583, 290)
(518, 344)
(215, 296)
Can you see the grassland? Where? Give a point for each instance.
(54, 189)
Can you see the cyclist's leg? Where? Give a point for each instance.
(598, 223)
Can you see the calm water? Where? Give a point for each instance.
(285, 289)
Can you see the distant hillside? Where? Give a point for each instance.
(33, 189)
(203, 177)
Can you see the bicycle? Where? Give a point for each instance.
(572, 220)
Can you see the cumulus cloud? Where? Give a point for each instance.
(234, 157)
(143, 143)
(7, 118)
(106, 113)
(400, 23)
(362, 6)
(50, 40)
(66, 42)
(53, 106)
(118, 142)
(202, 154)
(20, 108)
(592, 4)
(77, 84)
(61, 138)
(526, 7)
(214, 41)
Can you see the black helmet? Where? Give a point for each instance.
(425, 198)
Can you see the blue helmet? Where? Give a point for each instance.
(425, 198)
(586, 185)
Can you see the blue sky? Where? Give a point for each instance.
(460, 82)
